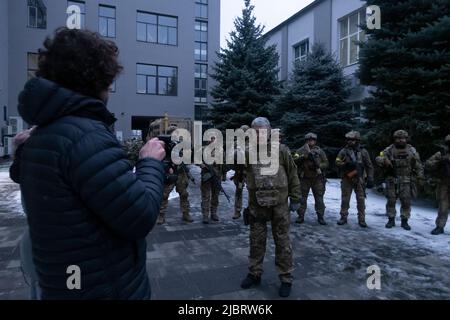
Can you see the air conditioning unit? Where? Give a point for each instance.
(17, 124)
(8, 148)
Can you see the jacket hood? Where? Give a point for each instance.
(42, 102)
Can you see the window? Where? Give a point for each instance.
(157, 80)
(301, 50)
(82, 7)
(201, 41)
(37, 14)
(201, 79)
(349, 35)
(32, 65)
(201, 112)
(107, 21)
(201, 9)
(156, 28)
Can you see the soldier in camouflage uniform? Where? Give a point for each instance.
(311, 163)
(439, 165)
(402, 168)
(268, 202)
(356, 171)
(210, 190)
(180, 186)
(239, 182)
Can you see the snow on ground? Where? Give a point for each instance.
(422, 218)
(10, 203)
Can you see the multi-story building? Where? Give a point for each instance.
(333, 23)
(166, 48)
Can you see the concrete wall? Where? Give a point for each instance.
(299, 30)
(319, 23)
(340, 9)
(125, 102)
(277, 40)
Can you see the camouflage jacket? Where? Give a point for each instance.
(355, 159)
(308, 160)
(439, 166)
(219, 171)
(405, 163)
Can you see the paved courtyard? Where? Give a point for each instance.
(196, 261)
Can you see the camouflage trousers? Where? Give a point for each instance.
(317, 185)
(279, 218)
(402, 192)
(238, 196)
(347, 187)
(180, 187)
(210, 198)
(442, 194)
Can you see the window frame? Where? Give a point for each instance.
(201, 5)
(38, 11)
(157, 77)
(100, 17)
(202, 44)
(201, 77)
(158, 26)
(347, 38)
(29, 69)
(298, 46)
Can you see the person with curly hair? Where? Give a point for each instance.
(86, 209)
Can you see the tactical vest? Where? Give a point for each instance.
(403, 161)
(356, 157)
(267, 188)
(307, 169)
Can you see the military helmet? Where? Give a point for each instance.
(354, 135)
(447, 139)
(310, 136)
(244, 127)
(400, 134)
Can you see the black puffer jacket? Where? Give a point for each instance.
(85, 207)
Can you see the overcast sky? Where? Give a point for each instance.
(270, 13)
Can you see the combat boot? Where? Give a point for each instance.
(390, 223)
(187, 217)
(250, 281)
(214, 217)
(362, 224)
(161, 219)
(342, 221)
(237, 215)
(285, 289)
(437, 230)
(321, 221)
(205, 219)
(405, 224)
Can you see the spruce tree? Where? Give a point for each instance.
(314, 100)
(246, 75)
(407, 62)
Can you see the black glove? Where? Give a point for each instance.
(369, 184)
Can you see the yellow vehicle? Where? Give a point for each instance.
(160, 126)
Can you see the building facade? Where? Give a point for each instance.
(166, 47)
(334, 24)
